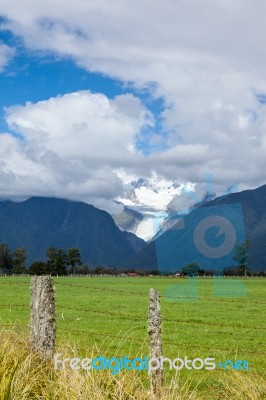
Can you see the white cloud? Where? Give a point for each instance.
(67, 146)
(205, 58)
(6, 53)
(81, 123)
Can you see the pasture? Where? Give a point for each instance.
(108, 316)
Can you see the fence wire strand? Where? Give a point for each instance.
(165, 342)
(104, 289)
(133, 317)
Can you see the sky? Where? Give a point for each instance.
(94, 92)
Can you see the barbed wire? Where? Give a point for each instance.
(165, 342)
(213, 324)
(210, 336)
(103, 289)
(139, 318)
(14, 325)
(146, 294)
(211, 299)
(133, 317)
(14, 305)
(145, 341)
(97, 311)
(161, 296)
(14, 283)
(106, 335)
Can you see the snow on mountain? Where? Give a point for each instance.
(153, 199)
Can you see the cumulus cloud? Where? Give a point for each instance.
(68, 146)
(205, 59)
(82, 123)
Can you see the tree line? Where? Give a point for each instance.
(240, 257)
(64, 262)
(59, 262)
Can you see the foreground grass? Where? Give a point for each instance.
(24, 375)
(109, 315)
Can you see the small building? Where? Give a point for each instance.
(132, 274)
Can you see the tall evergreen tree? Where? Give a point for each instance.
(57, 261)
(74, 258)
(6, 261)
(241, 256)
(19, 259)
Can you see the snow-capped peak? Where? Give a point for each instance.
(151, 198)
(155, 194)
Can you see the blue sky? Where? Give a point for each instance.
(94, 94)
(36, 76)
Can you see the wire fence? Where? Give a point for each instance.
(248, 333)
(136, 293)
(165, 342)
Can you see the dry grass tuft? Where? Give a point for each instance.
(24, 375)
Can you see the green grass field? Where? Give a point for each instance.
(109, 315)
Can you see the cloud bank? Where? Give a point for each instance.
(204, 58)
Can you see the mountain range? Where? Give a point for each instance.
(245, 210)
(39, 223)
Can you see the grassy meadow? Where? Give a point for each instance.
(108, 316)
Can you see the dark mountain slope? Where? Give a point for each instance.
(166, 249)
(39, 223)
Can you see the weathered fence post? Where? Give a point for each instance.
(154, 331)
(42, 319)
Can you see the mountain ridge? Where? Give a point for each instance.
(253, 204)
(41, 222)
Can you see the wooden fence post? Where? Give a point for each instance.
(154, 331)
(42, 319)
